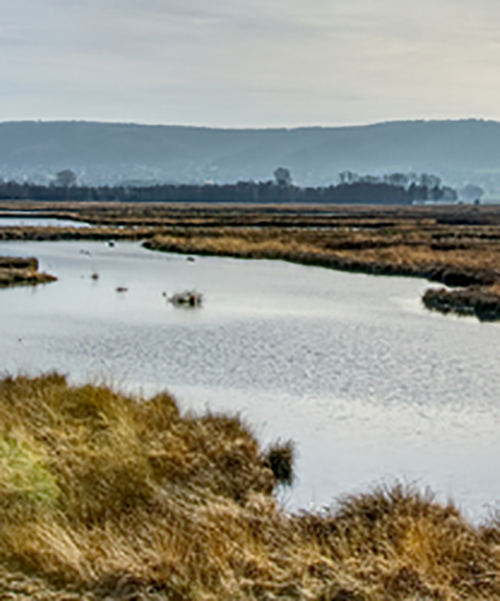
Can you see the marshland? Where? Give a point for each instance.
(451, 244)
(122, 490)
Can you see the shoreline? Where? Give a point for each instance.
(103, 496)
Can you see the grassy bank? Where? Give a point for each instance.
(104, 497)
(385, 254)
(15, 271)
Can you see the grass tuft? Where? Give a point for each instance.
(280, 458)
(24, 475)
(189, 298)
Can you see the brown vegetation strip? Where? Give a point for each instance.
(53, 234)
(16, 271)
(105, 497)
(356, 255)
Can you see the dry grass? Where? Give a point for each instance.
(414, 249)
(105, 497)
(15, 271)
(51, 233)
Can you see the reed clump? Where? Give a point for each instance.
(17, 271)
(481, 301)
(103, 496)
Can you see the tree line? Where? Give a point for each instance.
(347, 192)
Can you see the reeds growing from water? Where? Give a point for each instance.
(16, 271)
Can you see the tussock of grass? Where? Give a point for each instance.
(279, 458)
(481, 301)
(105, 497)
(16, 271)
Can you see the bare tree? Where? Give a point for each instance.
(397, 179)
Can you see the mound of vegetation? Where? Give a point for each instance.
(108, 497)
(481, 301)
(15, 271)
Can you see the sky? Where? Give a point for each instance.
(249, 63)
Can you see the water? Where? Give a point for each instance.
(371, 386)
(33, 221)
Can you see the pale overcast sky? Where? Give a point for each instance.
(252, 63)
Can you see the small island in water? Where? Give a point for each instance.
(17, 271)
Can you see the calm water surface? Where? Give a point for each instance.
(34, 221)
(370, 386)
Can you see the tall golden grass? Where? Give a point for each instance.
(103, 496)
(413, 248)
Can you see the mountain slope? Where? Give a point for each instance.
(109, 152)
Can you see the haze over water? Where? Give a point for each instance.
(370, 386)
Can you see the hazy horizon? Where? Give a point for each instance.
(255, 127)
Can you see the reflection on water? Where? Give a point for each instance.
(369, 385)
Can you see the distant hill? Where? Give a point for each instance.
(458, 151)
